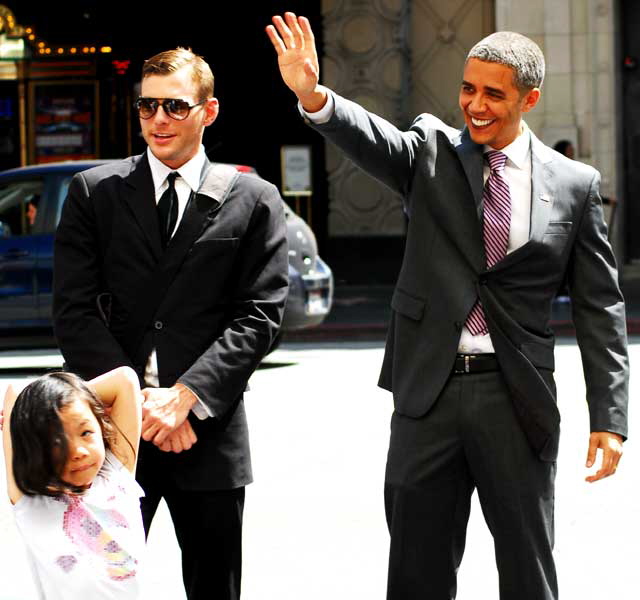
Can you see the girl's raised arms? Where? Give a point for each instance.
(119, 391)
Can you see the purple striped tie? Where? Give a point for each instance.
(497, 220)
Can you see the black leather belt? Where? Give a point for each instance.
(475, 363)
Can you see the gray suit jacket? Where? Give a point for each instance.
(438, 172)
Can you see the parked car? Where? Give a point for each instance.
(31, 200)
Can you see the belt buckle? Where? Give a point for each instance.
(467, 362)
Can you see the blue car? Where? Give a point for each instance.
(31, 200)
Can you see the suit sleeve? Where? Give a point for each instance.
(374, 144)
(259, 292)
(87, 345)
(599, 318)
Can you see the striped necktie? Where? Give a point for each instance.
(496, 224)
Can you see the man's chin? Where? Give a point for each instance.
(479, 136)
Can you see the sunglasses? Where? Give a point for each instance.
(173, 107)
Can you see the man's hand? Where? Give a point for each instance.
(297, 58)
(164, 410)
(611, 446)
(183, 438)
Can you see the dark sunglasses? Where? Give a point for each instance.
(174, 107)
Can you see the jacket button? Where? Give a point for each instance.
(482, 280)
(158, 325)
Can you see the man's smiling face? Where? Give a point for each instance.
(491, 103)
(176, 142)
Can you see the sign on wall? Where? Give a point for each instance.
(296, 170)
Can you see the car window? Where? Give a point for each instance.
(19, 205)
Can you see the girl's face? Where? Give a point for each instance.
(85, 443)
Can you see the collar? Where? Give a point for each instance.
(518, 150)
(190, 171)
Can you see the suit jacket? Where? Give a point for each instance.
(220, 286)
(438, 171)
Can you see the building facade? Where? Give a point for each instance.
(403, 57)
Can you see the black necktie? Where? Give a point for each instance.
(168, 210)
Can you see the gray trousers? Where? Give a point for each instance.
(470, 439)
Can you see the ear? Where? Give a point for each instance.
(211, 109)
(530, 99)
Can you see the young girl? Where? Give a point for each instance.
(70, 477)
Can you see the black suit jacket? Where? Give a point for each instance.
(438, 172)
(221, 286)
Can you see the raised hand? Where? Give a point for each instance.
(294, 43)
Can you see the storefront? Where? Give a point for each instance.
(63, 102)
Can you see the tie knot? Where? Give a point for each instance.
(171, 178)
(496, 160)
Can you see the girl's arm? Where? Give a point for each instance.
(119, 391)
(9, 400)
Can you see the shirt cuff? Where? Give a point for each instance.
(200, 409)
(321, 116)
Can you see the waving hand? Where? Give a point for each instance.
(294, 43)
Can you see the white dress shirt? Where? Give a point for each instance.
(517, 173)
(187, 182)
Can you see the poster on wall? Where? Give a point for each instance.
(64, 118)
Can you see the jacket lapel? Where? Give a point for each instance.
(200, 210)
(541, 194)
(142, 202)
(468, 224)
(470, 155)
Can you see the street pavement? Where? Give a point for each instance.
(314, 518)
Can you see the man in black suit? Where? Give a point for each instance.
(469, 355)
(178, 268)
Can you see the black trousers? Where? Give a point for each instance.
(470, 439)
(208, 527)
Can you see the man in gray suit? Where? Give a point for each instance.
(497, 222)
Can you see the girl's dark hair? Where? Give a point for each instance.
(40, 448)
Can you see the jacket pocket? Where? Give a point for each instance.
(214, 247)
(407, 305)
(558, 227)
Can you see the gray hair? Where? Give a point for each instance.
(516, 51)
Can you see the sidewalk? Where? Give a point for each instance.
(361, 312)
